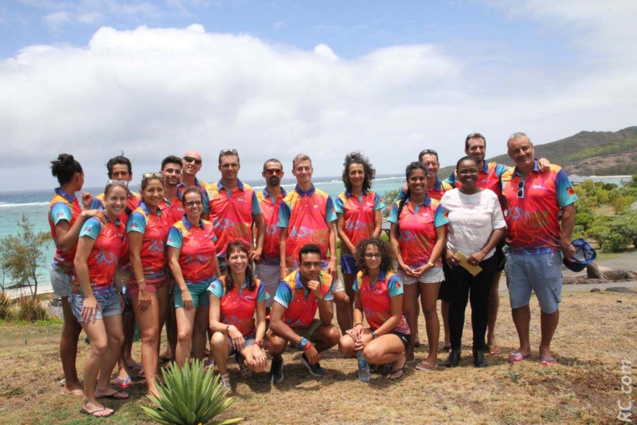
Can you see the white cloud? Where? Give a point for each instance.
(154, 92)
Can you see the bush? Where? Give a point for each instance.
(5, 306)
(614, 242)
(190, 396)
(31, 310)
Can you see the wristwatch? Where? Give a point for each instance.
(303, 343)
(374, 335)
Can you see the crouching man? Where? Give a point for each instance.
(292, 318)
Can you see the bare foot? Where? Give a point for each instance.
(75, 392)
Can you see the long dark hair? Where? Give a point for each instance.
(407, 193)
(65, 167)
(234, 246)
(368, 169)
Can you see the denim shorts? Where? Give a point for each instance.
(198, 292)
(249, 341)
(539, 273)
(60, 282)
(270, 275)
(108, 301)
(433, 275)
(348, 264)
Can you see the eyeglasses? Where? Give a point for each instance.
(157, 175)
(224, 152)
(191, 159)
(371, 255)
(194, 204)
(464, 171)
(273, 171)
(521, 189)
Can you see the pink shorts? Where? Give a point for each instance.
(152, 285)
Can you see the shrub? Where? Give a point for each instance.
(31, 309)
(190, 396)
(614, 242)
(5, 306)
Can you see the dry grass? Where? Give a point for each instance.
(596, 333)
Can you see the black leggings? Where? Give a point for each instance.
(460, 285)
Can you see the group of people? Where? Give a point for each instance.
(247, 271)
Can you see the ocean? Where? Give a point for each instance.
(34, 204)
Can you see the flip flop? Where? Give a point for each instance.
(402, 373)
(517, 357)
(424, 365)
(548, 361)
(123, 383)
(494, 349)
(93, 413)
(117, 395)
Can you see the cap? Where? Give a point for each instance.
(584, 255)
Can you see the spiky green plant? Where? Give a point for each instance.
(190, 396)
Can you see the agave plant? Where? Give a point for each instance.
(190, 396)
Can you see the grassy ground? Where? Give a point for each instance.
(595, 335)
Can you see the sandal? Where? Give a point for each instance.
(494, 349)
(548, 361)
(123, 383)
(243, 369)
(225, 382)
(426, 366)
(105, 412)
(391, 374)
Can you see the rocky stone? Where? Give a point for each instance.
(593, 272)
(621, 290)
(595, 290)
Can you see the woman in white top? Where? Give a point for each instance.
(476, 225)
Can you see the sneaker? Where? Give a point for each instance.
(314, 369)
(276, 370)
(225, 382)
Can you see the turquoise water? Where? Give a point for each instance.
(35, 204)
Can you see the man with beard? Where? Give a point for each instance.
(270, 201)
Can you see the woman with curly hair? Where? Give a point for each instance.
(378, 297)
(358, 212)
(418, 235)
(234, 300)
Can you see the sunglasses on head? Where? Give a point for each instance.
(223, 152)
(191, 159)
(157, 175)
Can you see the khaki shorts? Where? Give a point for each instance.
(309, 330)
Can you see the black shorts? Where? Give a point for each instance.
(404, 338)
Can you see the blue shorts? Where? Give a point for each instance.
(348, 264)
(198, 292)
(249, 341)
(108, 301)
(539, 273)
(60, 282)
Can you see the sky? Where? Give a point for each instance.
(95, 78)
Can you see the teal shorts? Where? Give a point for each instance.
(198, 292)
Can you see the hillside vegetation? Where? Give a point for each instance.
(587, 153)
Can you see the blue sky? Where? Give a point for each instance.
(275, 78)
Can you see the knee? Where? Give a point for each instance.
(184, 335)
(341, 299)
(333, 336)
(430, 310)
(98, 348)
(346, 345)
(276, 344)
(218, 340)
(149, 336)
(372, 353)
(116, 339)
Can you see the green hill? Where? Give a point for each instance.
(587, 153)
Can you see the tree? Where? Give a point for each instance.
(21, 254)
(625, 224)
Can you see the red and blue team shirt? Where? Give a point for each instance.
(358, 214)
(532, 220)
(154, 227)
(375, 299)
(131, 204)
(63, 207)
(239, 305)
(300, 304)
(174, 209)
(418, 229)
(108, 251)
(270, 209)
(488, 177)
(306, 215)
(232, 213)
(196, 244)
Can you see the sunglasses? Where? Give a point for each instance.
(521, 189)
(194, 204)
(273, 172)
(156, 175)
(191, 159)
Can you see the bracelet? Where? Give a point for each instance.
(227, 329)
(258, 344)
(140, 280)
(308, 346)
(374, 335)
(356, 324)
(430, 264)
